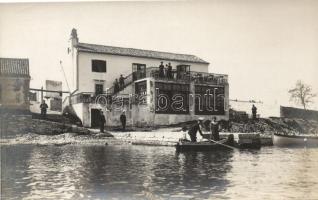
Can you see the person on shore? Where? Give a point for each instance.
(254, 111)
(102, 121)
(161, 70)
(116, 86)
(121, 82)
(194, 129)
(123, 120)
(43, 108)
(214, 127)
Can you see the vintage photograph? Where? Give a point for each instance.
(159, 99)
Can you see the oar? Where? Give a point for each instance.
(223, 144)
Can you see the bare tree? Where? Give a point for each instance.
(302, 94)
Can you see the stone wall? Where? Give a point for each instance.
(14, 92)
(290, 112)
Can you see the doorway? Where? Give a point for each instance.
(95, 118)
(139, 71)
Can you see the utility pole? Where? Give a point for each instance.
(41, 94)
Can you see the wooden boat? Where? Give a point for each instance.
(295, 140)
(224, 144)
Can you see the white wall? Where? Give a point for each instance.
(117, 65)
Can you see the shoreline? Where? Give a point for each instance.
(36, 131)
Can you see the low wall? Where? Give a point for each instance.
(290, 112)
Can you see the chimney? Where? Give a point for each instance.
(74, 37)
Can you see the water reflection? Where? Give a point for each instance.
(99, 172)
(137, 172)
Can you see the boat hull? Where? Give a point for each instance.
(291, 140)
(202, 146)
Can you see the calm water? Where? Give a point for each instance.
(142, 172)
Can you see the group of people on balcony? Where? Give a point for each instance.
(165, 72)
(119, 85)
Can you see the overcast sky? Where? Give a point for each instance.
(264, 46)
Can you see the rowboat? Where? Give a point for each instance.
(224, 144)
(295, 140)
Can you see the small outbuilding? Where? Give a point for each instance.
(14, 84)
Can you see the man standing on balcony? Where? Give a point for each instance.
(161, 70)
(169, 71)
(102, 121)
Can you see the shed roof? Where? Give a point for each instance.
(14, 66)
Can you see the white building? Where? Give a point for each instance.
(95, 68)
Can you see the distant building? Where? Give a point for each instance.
(150, 95)
(55, 98)
(14, 83)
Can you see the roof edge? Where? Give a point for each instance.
(91, 51)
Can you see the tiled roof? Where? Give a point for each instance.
(94, 48)
(14, 66)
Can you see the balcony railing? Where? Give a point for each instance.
(174, 75)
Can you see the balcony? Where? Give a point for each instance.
(179, 76)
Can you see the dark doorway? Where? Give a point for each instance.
(183, 71)
(139, 71)
(95, 118)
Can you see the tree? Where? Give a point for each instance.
(302, 94)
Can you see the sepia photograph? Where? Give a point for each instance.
(159, 99)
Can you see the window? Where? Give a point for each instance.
(98, 66)
(99, 88)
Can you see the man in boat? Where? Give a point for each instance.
(214, 127)
(194, 129)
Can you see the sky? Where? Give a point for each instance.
(264, 46)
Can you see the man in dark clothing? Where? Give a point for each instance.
(214, 127)
(123, 120)
(194, 129)
(102, 122)
(169, 71)
(43, 108)
(116, 86)
(121, 82)
(161, 70)
(254, 111)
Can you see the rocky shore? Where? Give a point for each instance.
(268, 126)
